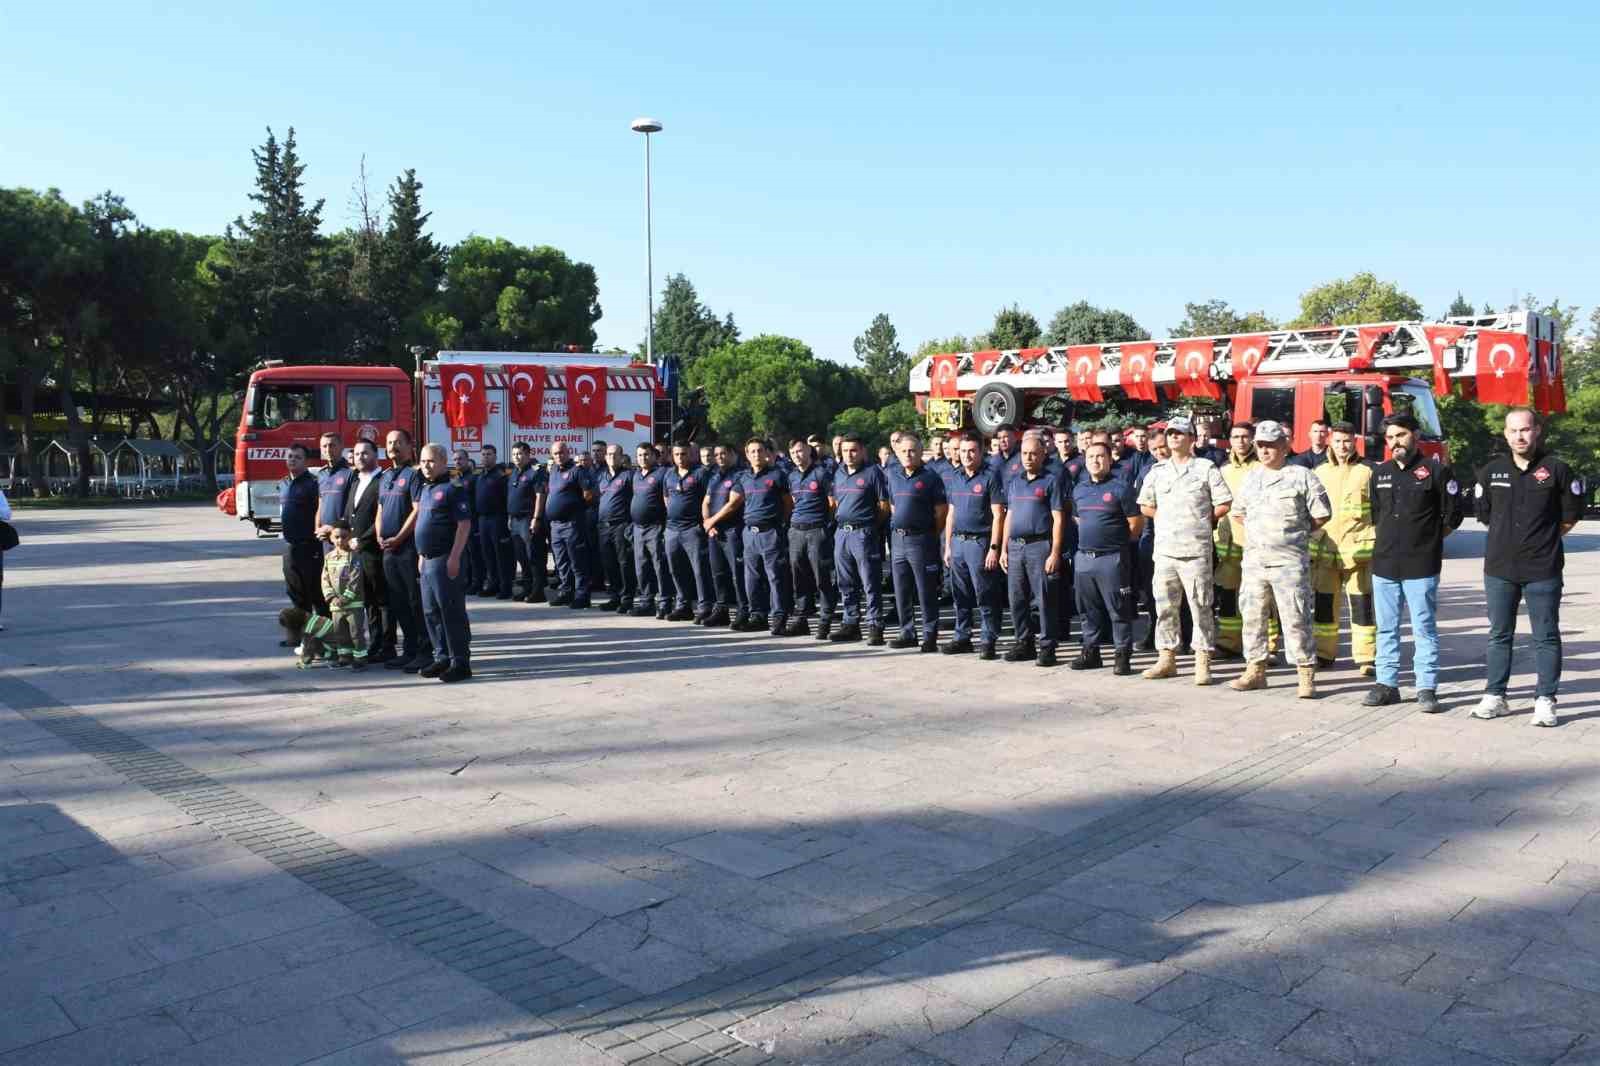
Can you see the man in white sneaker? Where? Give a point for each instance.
(1528, 500)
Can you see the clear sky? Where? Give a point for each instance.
(824, 162)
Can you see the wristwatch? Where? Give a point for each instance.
(994, 547)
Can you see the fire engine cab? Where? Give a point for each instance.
(1356, 374)
(287, 405)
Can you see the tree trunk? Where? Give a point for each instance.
(25, 473)
(76, 433)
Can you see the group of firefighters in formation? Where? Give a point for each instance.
(1234, 551)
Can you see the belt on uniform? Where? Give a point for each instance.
(768, 528)
(1030, 538)
(964, 535)
(856, 527)
(1097, 552)
(805, 525)
(912, 532)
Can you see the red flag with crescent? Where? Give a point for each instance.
(1028, 355)
(525, 394)
(1138, 361)
(1549, 391)
(942, 374)
(464, 402)
(1083, 368)
(1367, 338)
(1192, 364)
(1502, 367)
(983, 362)
(1440, 338)
(586, 397)
(1247, 353)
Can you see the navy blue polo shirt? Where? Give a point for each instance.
(1073, 471)
(521, 487)
(567, 486)
(858, 495)
(616, 495)
(1032, 501)
(914, 495)
(399, 488)
(297, 507)
(648, 504)
(333, 486)
(972, 496)
(719, 487)
(489, 495)
(686, 491)
(441, 505)
(1103, 509)
(810, 489)
(469, 482)
(763, 496)
(1006, 467)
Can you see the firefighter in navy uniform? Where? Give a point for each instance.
(302, 551)
(399, 488)
(464, 473)
(567, 501)
(614, 529)
(917, 510)
(810, 547)
(490, 526)
(1106, 510)
(443, 530)
(724, 542)
(685, 489)
(761, 493)
(1030, 554)
(859, 498)
(647, 511)
(973, 528)
(525, 487)
(334, 481)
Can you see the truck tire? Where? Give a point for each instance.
(996, 405)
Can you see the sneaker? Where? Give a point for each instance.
(1428, 701)
(1544, 711)
(1490, 706)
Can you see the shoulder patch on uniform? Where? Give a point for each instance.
(1451, 487)
(1577, 487)
(1477, 492)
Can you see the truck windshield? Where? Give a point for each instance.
(1416, 398)
(277, 405)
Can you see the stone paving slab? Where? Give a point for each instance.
(633, 842)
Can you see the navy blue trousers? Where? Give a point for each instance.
(973, 589)
(691, 567)
(616, 555)
(570, 543)
(811, 566)
(727, 568)
(1106, 597)
(1032, 591)
(915, 567)
(650, 567)
(858, 566)
(766, 573)
(494, 546)
(444, 606)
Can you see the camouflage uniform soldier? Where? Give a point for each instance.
(1185, 496)
(1230, 541)
(1281, 506)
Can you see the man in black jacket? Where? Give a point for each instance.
(1528, 500)
(361, 511)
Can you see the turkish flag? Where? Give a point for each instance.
(1247, 353)
(942, 374)
(1138, 360)
(1028, 355)
(1502, 367)
(464, 402)
(1367, 338)
(1549, 391)
(1440, 338)
(983, 362)
(586, 396)
(525, 389)
(1192, 363)
(1083, 367)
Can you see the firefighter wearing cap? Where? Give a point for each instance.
(1229, 541)
(1341, 553)
(1281, 507)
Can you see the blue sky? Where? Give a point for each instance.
(824, 162)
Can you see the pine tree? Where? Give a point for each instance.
(411, 266)
(885, 364)
(1460, 307)
(273, 253)
(685, 327)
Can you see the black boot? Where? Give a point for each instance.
(611, 605)
(957, 647)
(986, 652)
(901, 643)
(1019, 653)
(1087, 659)
(824, 628)
(1124, 663)
(797, 627)
(1047, 657)
(846, 633)
(875, 637)
(682, 614)
(719, 617)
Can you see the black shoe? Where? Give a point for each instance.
(1223, 655)
(756, 623)
(536, 597)
(435, 668)
(419, 664)
(797, 627)
(343, 660)
(580, 605)
(1087, 659)
(1047, 657)
(380, 655)
(738, 622)
(928, 646)
(558, 600)
(503, 596)
(957, 647)
(1383, 696)
(718, 618)
(824, 628)
(1019, 653)
(846, 633)
(986, 652)
(1123, 663)
(396, 662)
(456, 673)
(611, 605)
(662, 613)
(356, 665)
(642, 612)
(901, 643)
(680, 614)
(1428, 701)
(875, 637)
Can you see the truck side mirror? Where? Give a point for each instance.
(1372, 424)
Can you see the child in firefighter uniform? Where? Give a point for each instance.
(345, 632)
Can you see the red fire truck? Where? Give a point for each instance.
(287, 405)
(1356, 374)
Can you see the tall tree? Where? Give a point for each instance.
(1359, 298)
(1084, 323)
(775, 385)
(1460, 307)
(1215, 318)
(884, 362)
(1013, 328)
(499, 296)
(687, 328)
(411, 265)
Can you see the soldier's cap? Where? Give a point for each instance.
(1180, 425)
(1269, 432)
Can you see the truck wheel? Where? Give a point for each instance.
(996, 405)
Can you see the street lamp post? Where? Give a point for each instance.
(647, 126)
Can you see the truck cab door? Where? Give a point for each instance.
(1308, 408)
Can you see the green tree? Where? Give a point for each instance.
(1083, 323)
(1359, 298)
(1581, 356)
(883, 361)
(687, 328)
(941, 345)
(1013, 328)
(1460, 307)
(860, 421)
(499, 296)
(899, 415)
(774, 385)
(1215, 318)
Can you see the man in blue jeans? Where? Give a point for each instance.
(1528, 500)
(1415, 505)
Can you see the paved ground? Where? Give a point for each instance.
(633, 842)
